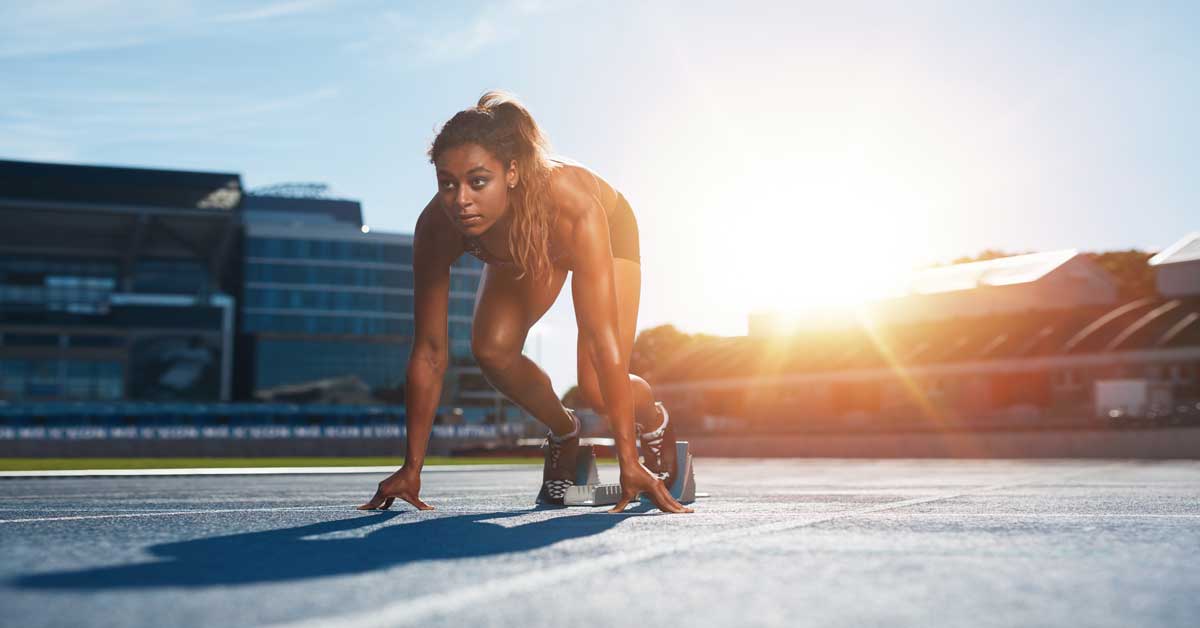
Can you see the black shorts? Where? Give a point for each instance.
(623, 232)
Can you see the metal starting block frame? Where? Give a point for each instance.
(588, 491)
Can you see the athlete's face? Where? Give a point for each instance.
(473, 187)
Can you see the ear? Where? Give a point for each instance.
(511, 176)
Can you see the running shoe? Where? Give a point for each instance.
(558, 473)
(658, 448)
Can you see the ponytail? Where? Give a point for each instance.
(503, 126)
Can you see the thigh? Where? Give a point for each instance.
(506, 307)
(627, 276)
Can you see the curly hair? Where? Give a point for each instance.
(505, 128)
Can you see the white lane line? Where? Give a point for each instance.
(417, 610)
(256, 471)
(1052, 515)
(311, 494)
(509, 522)
(173, 513)
(164, 513)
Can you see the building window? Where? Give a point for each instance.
(31, 340)
(468, 261)
(164, 276)
(81, 380)
(462, 307)
(1066, 379)
(13, 375)
(460, 330)
(1182, 373)
(398, 254)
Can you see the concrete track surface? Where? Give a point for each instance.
(779, 542)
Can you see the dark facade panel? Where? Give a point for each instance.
(43, 182)
(123, 317)
(339, 210)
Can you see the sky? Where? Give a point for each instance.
(777, 155)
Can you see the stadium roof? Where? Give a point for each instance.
(303, 210)
(38, 183)
(996, 272)
(1141, 325)
(122, 213)
(1185, 250)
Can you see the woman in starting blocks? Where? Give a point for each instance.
(531, 219)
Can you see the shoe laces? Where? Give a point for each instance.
(654, 440)
(557, 489)
(555, 449)
(555, 442)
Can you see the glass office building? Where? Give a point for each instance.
(324, 299)
(155, 285)
(113, 283)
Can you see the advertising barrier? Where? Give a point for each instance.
(250, 432)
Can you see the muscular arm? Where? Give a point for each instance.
(593, 289)
(435, 247)
(433, 253)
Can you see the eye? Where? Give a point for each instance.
(446, 185)
(479, 182)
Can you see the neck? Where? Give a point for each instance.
(496, 238)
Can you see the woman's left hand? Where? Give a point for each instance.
(638, 479)
(405, 483)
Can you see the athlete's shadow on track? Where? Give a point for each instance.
(293, 553)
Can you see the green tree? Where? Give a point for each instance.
(654, 346)
(1134, 277)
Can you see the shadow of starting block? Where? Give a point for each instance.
(589, 491)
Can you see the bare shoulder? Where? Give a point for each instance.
(576, 191)
(435, 239)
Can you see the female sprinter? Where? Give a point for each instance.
(531, 219)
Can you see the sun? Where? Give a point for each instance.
(790, 215)
(833, 234)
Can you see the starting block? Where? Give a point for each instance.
(588, 491)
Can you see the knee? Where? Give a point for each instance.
(493, 356)
(589, 392)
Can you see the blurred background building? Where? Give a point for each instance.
(139, 285)
(1026, 341)
(142, 298)
(327, 309)
(1178, 267)
(116, 283)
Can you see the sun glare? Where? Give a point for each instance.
(823, 234)
(805, 210)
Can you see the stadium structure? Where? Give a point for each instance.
(1038, 340)
(116, 283)
(133, 296)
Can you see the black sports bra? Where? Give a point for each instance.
(473, 246)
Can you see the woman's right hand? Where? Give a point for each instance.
(405, 483)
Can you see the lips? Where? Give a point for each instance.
(469, 219)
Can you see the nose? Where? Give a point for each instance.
(462, 197)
